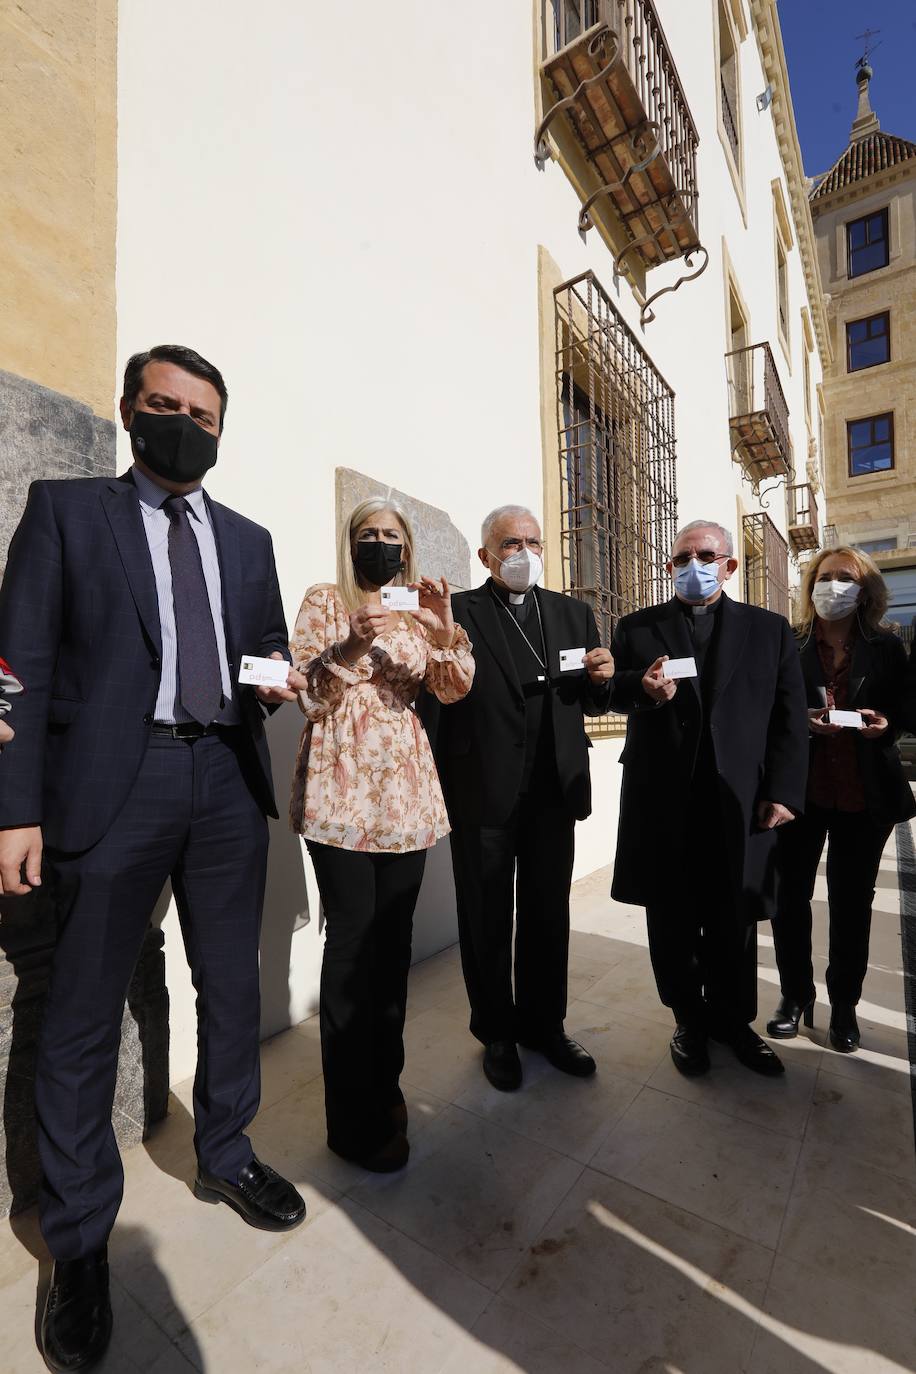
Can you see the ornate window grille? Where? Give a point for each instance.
(766, 565)
(617, 458)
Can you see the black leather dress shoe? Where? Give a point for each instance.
(261, 1197)
(564, 1054)
(784, 1023)
(502, 1065)
(844, 1029)
(688, 1051)
(76, 1325)
(753, 1052)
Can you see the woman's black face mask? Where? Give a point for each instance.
(376, 562)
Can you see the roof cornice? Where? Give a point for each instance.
(772, 54)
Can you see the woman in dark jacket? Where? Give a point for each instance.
(857, 791)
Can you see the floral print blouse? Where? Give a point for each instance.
(365, 776)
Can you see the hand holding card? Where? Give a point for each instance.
(679, 667)
(400, 599)
(851, 719)
(263, 672)
(572, 660)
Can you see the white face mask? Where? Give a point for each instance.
(521, 570)
(834, 600)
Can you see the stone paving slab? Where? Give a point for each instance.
(639, 1222)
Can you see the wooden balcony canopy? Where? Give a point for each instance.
(758, 414)
(619, 92)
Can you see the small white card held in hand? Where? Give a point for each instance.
(571, 659)
(263, 672)
(852, 719)
(679, 667)
(400, 599)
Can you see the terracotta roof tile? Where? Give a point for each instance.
(862, 159)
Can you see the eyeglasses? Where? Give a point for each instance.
(680, 560)
(515, 545)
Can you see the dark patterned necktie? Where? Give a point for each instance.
(199, 680)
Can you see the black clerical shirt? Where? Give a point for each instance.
(529, 655)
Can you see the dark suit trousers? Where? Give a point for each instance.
(368, 902)
(535, 849)
(704, 956)
(190, 816)
(856, 844)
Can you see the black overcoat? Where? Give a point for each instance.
(758, 736)
(479, 741)
(877, 681)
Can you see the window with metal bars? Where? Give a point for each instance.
(766, 565)
(617, 458)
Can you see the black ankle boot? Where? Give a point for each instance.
(784, 1025)
(76, 1326)
(844, 1028)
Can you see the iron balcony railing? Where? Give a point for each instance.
(766, 565)
(619, 90)
(758, 413)
(803, 530)
(729, 121)
(830, 536)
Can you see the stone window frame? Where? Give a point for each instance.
(729, 18)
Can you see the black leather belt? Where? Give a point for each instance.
(187, 729)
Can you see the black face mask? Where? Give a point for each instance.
(376, 562)
(172, 446)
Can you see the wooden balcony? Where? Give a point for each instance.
(803, 533)
(618, 91)
(758, 414)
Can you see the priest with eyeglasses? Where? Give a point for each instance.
(715, 761)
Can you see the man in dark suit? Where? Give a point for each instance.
(126, 606)
(714, 762)
(513, 759)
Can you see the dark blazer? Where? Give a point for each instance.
(758, 735)
(80, 618)
(480, 740)
(877, 681)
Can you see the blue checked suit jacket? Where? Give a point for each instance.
(79, 618)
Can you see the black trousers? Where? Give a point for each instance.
(856, 843)
(192, 817)
(368, 902)
(533, 853)
(704, 956)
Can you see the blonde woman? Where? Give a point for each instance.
(366, 798)
(856, 793)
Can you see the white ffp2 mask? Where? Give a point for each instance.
(521, 570)
(833, 600)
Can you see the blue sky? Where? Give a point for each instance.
(821, 51)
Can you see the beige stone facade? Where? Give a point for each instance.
(876, 173)
(58, 169)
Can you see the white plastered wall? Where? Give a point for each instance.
(339, 206)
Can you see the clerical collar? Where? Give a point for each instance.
(507, 597)
(713, 609)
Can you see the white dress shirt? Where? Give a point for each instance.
(156, 524)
